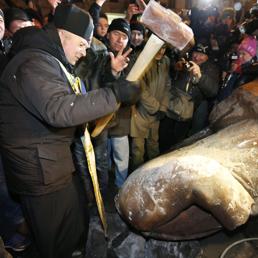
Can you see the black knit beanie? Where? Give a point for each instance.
(121, 25)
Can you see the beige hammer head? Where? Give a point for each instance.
(167, 25)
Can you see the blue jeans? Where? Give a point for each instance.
(11, 214)
(120, 153)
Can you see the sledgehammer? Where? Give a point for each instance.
(168, 27)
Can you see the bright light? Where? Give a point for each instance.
(237, 6)
(202, 4)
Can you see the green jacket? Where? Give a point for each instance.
(155, 86)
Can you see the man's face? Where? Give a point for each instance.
(74, 46)
(136, 38)
(102, 27)
(2, 27)
(199, 58)
(18, 24)
(117, 40)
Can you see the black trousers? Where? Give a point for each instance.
(58, 221)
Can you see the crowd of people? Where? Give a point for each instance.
(67, 70)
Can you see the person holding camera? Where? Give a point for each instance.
(199, 78)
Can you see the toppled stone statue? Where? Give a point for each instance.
(199, 189)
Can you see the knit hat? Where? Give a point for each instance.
(13, 14)
(249, 45)
(201, 48)
(137, 26)
(121, 25)
(74, 19)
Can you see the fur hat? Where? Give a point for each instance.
(121, 25)
(74, 19)
(248, 44)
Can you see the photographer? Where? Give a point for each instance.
(200, 79)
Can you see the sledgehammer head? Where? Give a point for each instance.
(167, 25)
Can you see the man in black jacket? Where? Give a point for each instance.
(198, 78)
(39, 114)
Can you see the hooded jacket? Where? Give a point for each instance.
(39, 113)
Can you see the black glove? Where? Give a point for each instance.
(160, 115)
(128, 93)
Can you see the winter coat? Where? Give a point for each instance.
(202, 94)
(95, 69)
(206, 88)
(39, 113)
(155, 86)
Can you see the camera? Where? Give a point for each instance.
(227, 60)
(187, 65)
(233, 56)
